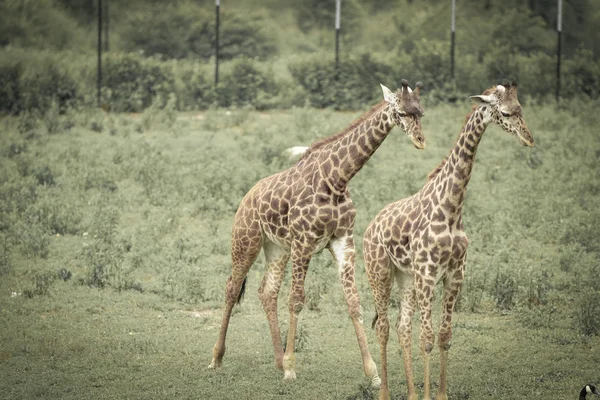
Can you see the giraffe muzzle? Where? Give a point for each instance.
(526, 139)
(419, 142)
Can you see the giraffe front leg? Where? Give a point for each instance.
(343, 251)
(452, 285)
(424, 287)
(277, 259)
(301, 255)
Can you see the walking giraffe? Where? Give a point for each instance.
(299, 211)
(420, 240)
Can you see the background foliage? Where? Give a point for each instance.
(277, 56)
(117, 226)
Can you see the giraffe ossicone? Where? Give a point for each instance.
(420, 240)
(299, 211)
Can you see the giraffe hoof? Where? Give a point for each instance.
(371, 372)
(376, 383)
(289, 374)
(214, 364)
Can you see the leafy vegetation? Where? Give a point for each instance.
(279, 56)
(114, 228)
(120, 224)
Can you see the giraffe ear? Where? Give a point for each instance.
(482, 99)
(387, 93)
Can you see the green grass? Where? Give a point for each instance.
(114, 239)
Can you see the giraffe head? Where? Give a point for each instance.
(405, 109)
(503, 108)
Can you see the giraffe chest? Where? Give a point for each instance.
(428, 253)
(305, 220)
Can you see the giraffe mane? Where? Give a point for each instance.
(322, 142)
(437, 169)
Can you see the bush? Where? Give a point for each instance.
(10, 95)
(194, 85)
(587, 311)
(188, 31)
(131, 82)
(317, 14)
(244, 84)
(39, 24)
(34, 81)
(47, 84)
(582, 75)
(41, 285)
(504, 290)
(352, 86)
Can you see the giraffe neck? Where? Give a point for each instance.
(451, 182)
(343, 158)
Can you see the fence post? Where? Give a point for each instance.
(558, 49)
(452, 40)
(217, 5)
(338, 6)
(106, 25)
(99, 81)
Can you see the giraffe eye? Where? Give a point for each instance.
(505, 114)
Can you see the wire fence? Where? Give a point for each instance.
(103, 40)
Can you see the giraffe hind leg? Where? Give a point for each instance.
(245, 247)
(242, 291)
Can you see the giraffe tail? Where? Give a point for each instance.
(374, 320)
(242, 291)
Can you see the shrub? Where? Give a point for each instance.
(352, 86)
(43, 84)
(188, 31)
(582, 75)
(32, 238)
(132, 82)
(244, 84)
(33, 81)
(317, 14)
(584, 233)
(587, 311)
(38, 24)
(41, 285)
(504, 290)
(45, 177)
(194, 85)
(10, 94)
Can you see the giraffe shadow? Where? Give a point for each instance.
(365, 392)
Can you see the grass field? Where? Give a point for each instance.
(114, 251)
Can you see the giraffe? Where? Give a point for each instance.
(297, 212)
(420, 240)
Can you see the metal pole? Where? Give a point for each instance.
(106, 25)
(452, 39)
(558, 49)
(338, 7)
(99, 82)
(217, 4)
